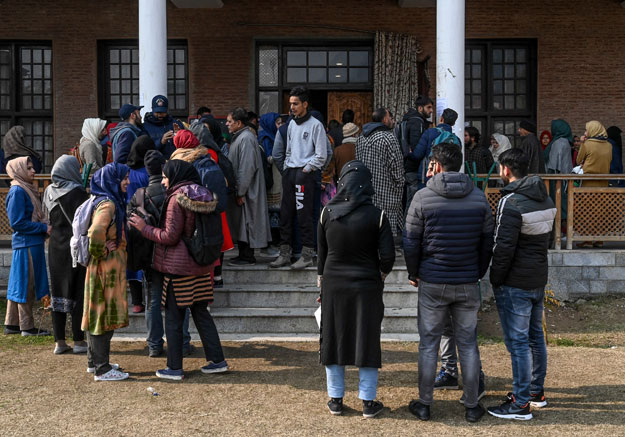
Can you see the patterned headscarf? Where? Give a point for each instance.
(106, 183)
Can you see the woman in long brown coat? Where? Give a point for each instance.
(595, 154)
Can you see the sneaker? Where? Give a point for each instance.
(34, 332)
(445, 381)
(371, 408)
(136, 309)
(11, 329)
(474, 414)
(80, 349)
(335, 405)
(270, 252)
(538, 400)
(111, 375)
(215, 367)
(167, 373)
(188, 350)
(92, 369)
(509, 410)
(240, 262)
(155, 353)
(58, 350)
(218, 283)
(481, 390)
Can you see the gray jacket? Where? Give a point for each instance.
(306, 145)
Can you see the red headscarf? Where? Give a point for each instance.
(185, 139)
(540, 138)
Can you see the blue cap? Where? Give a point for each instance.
(160, 104)
(126, 110)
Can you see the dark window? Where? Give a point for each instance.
(26, 94)
(279, 67)
(500, 86)
(118, 80)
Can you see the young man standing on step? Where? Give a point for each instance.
(305, 156)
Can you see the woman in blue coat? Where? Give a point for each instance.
(28, 279)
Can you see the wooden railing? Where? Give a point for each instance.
(593, 213)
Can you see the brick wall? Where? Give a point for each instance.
(580, 48)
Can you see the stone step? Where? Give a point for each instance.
(298, 295)
(281, 321)
(263, 274)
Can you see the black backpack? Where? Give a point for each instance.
(228, 170)
(140, 248)
(204, 246)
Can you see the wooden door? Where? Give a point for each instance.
(359, 102)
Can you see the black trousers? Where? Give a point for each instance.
(174, 317)
(245, 252)
(136, 292)
(58, 323)
(98, 352)
(298, 192)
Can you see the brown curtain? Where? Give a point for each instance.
(395, 75)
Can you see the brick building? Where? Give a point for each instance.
(66, 60)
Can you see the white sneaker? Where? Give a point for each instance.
(111, 375)
(92, 369)
(79, 349)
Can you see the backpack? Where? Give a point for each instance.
(138, 247)
(228, 170)
(213, 178)
(402, 137)
(204, 246)
(79, 243)
(446, 137)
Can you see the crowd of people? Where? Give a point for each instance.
(167, 199)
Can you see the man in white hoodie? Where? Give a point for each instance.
(306, 153)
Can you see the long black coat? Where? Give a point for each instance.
(353, 250)
(66, 283)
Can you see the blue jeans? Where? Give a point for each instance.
(367, 388)
(521, 314)
(154, 318)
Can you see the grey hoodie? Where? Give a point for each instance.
(306, 145)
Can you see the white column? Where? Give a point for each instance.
(450, 60)
(152, 51)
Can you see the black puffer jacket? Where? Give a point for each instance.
(523, 234)
(415, 125)
(448, 236)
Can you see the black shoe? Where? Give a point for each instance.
(420, 410)
(218, 283)
(155, 353)
(335, 405)
(445, 381)
(188, 351)
(474, 414)
(509, 410)
(371, 409)
(11, 329)
(538, 400)
(238, 261)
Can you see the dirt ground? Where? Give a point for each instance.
(279, 388)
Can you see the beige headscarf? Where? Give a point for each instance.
(91, 129)
(17, 169)
(504, 144)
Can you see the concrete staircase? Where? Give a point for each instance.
(258, 302)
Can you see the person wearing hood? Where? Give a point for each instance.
(126, 132)
(106, 301)
(186, 284)
(248, 217)
(356, 253)
(192, 148)
(306, 152)
(499, 143)
(616, 165)
(595, 154)
(447, 246)
(380, 151)
(518, 274)
(14, 146)
(67, 284)
(28, 277)
(161, 126)
(558, 159)
(531, 147)
(90, 149)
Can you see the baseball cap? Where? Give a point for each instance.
(159, 103)
(127, 109)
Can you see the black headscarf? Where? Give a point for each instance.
(154, 161)
(215, 129)
(614, 133)
(180, 173)
(354, 190)
(138, 149)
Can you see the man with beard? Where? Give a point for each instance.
(474, 152)
(161, 126)
(126, 132)
(518, 274)
(531, 147)
(410, 130)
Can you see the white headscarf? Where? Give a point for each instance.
(504, 144)
(91, 130)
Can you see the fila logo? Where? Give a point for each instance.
(299, 196)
